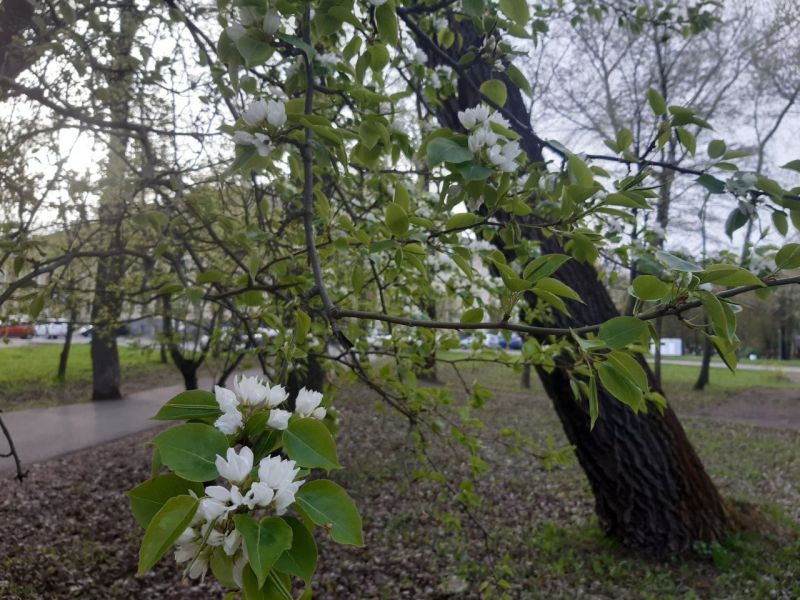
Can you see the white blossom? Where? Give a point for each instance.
(199, 567)
(482, 137)
(226, 399)
(260, 140)
(236, 31)
(237, 467)
(284, 497)
(272, 22)
(250, 390)
(276, 113)
(277, 472)
(279, 419)
(230, 422)
(420, 58)
(471, 117)
(255, 113)
(276, 395)
(441, 23)
(307, 404)
(260, 494)
(231, 543)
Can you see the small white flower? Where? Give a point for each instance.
(500, 120)
(471, 117)
(250, 390)
(278, 419)
(211, 509)
(262, 144)
(260, 494)
(480, 138)
(398, 126)
(230, 422)
(248, 15)
(284, 497)
(420, 58)
(277, 395)
(276, 113)
(199, 567)
(238, 566)
(226, 399)
(319, 413)
(272, 22)
(441, 23)
(236, 31)
(276, 472)
(306, 402)
(244, 138)
(187, 551)
(232, 542)
(188, 535)
(436, 83)
(237, 467)
(255, 113)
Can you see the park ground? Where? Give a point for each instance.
(67, 531)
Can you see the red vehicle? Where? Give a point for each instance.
(19, 331)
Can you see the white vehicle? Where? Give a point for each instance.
(51, 329)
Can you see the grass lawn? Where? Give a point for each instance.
(28, 373)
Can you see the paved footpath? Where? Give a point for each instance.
(43, 433)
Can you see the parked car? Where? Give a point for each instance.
(514, 344)
(120, 330)
(492, 341)
(19, 330)
(51, 329)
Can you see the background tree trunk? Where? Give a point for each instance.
(64, 356)
(705, 366)
(651, 490)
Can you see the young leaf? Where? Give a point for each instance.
(445, 150)
(329, 506)
(149, 497)
(191, 450)
(657, 102)
(301, 559)
(516, 10)
(164, 528)
(649, 287)
(191, 404)
(396, 219)
(495, 90)
(788, 257)
(309, 443)
(265, 541)
(473, 315)
(621, 331)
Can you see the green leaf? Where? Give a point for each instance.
(329, 506)
(473, 315)
(656, 101)
(621, 331)
(716, 314)
(301, 559)
(191, 404)
(716, 148)
(711, 183)
(620, 385)
(472, 171)
(164, 528)
(726, 350)
(265, 541)
(543, 266)
(309, 443)
(781, 222)
(579, 172)
(627, 364)
(149, 497)
(687, 140)
(649, 287)
(254, 52)
(736, 220)
(302, 325)
(463, 220)
(191, 450)
(729, 275)
(594, 404)
(516, 10)
(495, 90)
(222, 567)
(794, 165)
(446, 150)
(386, 21)
(788, 257)
(677, 264)
(396, 219)
(554, 286)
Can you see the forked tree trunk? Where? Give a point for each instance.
(651, 490)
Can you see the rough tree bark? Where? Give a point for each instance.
(651, 490)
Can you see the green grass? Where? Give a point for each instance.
(36, 365)
(742, 360)
(673, 375)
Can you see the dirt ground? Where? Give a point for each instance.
(764, 407)
(67, 532)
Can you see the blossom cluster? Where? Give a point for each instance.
(500, 150)
(251, 393)
(273, 486)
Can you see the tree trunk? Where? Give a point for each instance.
(64, 356)
(107, 303)
(705, 366)
(525, 380)
(651, 490)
